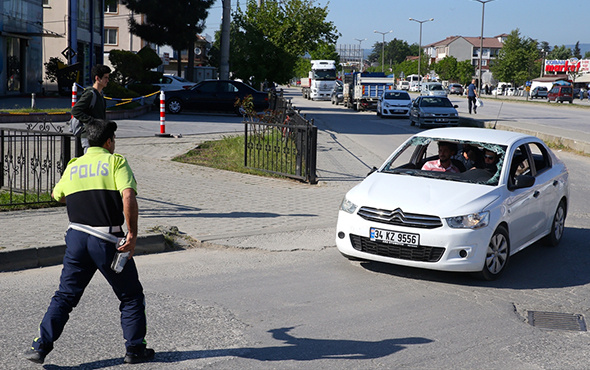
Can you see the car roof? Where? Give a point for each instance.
(396, 91)
(475, 134)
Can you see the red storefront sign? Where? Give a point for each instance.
(564, 66)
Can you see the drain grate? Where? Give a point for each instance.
(557, 320)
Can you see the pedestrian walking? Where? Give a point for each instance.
(99, 190)
(92, 103)
(472, 97)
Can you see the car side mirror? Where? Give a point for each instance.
(372, 170)
(523, 181)
(455, 106)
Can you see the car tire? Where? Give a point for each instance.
(174, 105)
(411, 121)
(557, 225)
(497, 255)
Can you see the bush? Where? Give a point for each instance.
(114, 90)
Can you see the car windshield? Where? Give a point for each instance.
(435, 102)
(436, 87)
(474, 162)
(396, 95)
(324, 74)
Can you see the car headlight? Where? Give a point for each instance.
(472, 221)
(386, 104)
(409, 105)
(453, 115)
(428, 114)
(347, 206)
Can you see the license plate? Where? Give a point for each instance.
(394, 237)
(398, 111)
(441, 120)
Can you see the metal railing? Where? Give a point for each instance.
(32, 162)
(281, 141)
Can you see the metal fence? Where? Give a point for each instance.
(32, 162)
(281, 141)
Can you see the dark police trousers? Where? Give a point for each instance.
(84, 255)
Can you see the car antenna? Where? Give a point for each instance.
(495, 123)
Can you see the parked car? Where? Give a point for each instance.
(471, 221)
(455, 89)
(404, 85)
(337, 96)
(170, 82)
(561, 93)
(394, 103)
(539, 92)
(432, 89)
(433, 110)
(214, 95)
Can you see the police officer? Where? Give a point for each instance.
(99, 190)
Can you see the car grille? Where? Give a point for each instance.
(399, 218)
(421, 253)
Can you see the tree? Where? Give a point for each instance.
(268, 40)
(447, 68)
(396, 51)
(560, 52)
(516, 60)
(577, 52)
(465, 71)
(175, 23)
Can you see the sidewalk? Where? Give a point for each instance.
(222, 207)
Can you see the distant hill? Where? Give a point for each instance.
(583, 48)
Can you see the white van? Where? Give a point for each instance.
(404, 85)
(432, 89)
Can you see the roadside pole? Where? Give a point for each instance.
(163, 116)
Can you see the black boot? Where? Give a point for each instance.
(137, 355)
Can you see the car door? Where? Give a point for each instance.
(203, 96)
(523, 206)
(227, 95)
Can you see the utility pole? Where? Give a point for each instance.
(224, 63)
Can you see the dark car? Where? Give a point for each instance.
(561, 93)
(214, 95)
(433, 110)
(539, 92)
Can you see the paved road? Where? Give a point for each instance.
(272, 291)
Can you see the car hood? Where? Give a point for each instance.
(438, 110)
(421, 195)
(397, 103)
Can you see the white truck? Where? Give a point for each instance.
(321, 80)
(366, 88)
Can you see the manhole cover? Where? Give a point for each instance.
(557, 320)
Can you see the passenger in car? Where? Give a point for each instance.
(490, 160)
(470, 156)
(446, 150)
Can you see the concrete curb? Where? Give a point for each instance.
(53, 255)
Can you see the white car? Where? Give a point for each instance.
(469, 221)
(170, 82)
(394, 103)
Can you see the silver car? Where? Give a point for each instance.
(433, 111)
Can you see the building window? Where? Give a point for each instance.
(110, 36)
(110, 6)
(46, 3)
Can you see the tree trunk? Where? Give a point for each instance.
(191, 62)
(179, 63)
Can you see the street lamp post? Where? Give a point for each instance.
(361, 54)
(542, 61)
(383, 48)
(420, 49)
(483, 8)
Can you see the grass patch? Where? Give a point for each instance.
(16, 201)
(30, 110)
(225, 154)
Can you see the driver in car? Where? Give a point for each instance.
(446, 150)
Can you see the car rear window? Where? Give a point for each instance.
(397, 96)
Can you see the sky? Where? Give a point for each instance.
(559, 22)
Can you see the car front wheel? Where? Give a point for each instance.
(557, 226)
(497, 255)
(174, 105)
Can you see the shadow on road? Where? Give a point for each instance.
(295, 349)
(538, 266)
